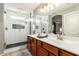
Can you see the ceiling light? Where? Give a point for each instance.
(46, 9)
(57, 5)
(50, 6)
(41, 10)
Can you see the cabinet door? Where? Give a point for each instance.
(28, 44)
(51, 54)
(52, 49)
(64, 53)
(33, 46)
(39, 43)
(41, 51)
(33, 50)
(33, 42)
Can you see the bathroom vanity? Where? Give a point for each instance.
(51, 46)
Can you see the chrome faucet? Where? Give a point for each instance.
(60, 35)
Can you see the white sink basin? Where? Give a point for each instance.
(42, 35)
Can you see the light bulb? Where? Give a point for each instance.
(60, 29)
(41, 10)
(57, 5)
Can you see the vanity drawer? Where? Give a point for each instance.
(65, 53)
(50, 54)
(51, 49)
(39, 43)
(41, 51)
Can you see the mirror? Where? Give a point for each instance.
(71, 23)
(56, 24)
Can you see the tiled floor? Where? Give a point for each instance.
(16, 51)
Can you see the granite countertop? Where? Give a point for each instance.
(68, 43)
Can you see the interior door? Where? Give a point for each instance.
(15, 35)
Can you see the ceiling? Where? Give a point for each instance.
(22, 6)
(29, 7)
(61, 9)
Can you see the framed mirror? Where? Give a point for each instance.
(71, 23)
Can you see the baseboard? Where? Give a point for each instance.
(15, 45)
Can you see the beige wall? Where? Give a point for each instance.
(71, 23)
(50, 24)
(1, 28)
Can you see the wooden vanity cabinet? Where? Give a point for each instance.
(33, 46)
(52, 50)
(51, 54)
(65, 53)
(40, 50)
(39, 43)
(29, 43)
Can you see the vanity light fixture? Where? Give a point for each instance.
(41, 10)
(51, 6)
(57, 5)
(44, 9)
(47, 7)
